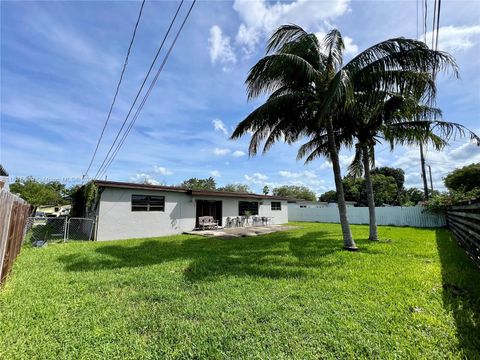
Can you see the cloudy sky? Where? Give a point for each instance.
(60, 62)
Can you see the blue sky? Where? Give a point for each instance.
(60, 62)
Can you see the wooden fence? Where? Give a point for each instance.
(13, 217)
(464, 222)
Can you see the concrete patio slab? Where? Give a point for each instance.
(241, 231)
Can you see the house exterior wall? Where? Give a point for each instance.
(116, 220)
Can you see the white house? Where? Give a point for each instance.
(128, 210)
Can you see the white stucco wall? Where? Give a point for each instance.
(116, 220)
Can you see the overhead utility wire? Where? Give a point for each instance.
(117, 89)
(152, 85)
(140, 90)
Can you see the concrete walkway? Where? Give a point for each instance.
(241, 231)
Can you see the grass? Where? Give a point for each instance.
(285, 295)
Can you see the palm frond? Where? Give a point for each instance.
(284, 34)
(279, 70)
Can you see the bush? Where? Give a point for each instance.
(441, 202)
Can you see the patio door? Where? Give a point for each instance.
(209, 208)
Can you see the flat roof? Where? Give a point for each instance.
(126, 185)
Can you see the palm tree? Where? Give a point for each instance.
(308, 86)
(396, 119)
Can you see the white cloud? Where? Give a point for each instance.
(441, 162)
(220, 48)
(456, 38)
(144, 179)
(238, 153)
(219, 125)
(256, 178)
(260, 18)
(298, 175)
(220, 151)
(162, 170)
(215, 173)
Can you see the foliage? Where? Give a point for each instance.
(439, 203)
(396, 173)
(465, 179)
(37, 193)
(240, 188)
(265, 190)
(200, 184)
(329, 196)
(83, 199)
(288, 295)
(384, 188)
(295, 192)
(412, 195)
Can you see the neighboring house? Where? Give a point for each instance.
(347, 203)
(128, 210)
(304, 204)
(54, 210)
(3, 178)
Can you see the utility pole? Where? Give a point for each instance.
(431, 182)
(424, 173)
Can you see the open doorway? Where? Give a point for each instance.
(209, 208)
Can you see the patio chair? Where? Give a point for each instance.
(230, 222)
(207, 222)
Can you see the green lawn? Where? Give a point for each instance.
(286, 295)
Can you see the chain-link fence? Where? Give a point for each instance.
(46, 229)
(56, 229)
(79, 229)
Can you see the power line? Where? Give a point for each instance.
(117, 89)
(152, 85)
(141, 88)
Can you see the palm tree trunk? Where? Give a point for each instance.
(424, 173)
(348, 242)
(370, 198)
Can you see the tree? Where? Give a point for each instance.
(384, 188)
(37, 193)
(295, 192)
(240, 188)
(398, 175)
(265, 190)
(464, 179)
(329, 196)
(355, 189)
(309, 88)
(200, 184)
(414, 195)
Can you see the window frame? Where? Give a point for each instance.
(150, 203)
(275, 208)
(241, 211)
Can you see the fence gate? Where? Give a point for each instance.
(50, 229)
(57, 229)
(79, 229)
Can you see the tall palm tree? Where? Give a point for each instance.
(308, 86)
(397, 120)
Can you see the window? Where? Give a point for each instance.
(148, 203)
(276, 205)
(250, 206)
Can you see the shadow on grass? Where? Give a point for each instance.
(461, 292)
(278, 255)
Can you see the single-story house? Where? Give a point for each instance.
(128, 210)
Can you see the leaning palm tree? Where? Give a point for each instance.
(308, 85)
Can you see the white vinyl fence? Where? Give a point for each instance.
(394, 216)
